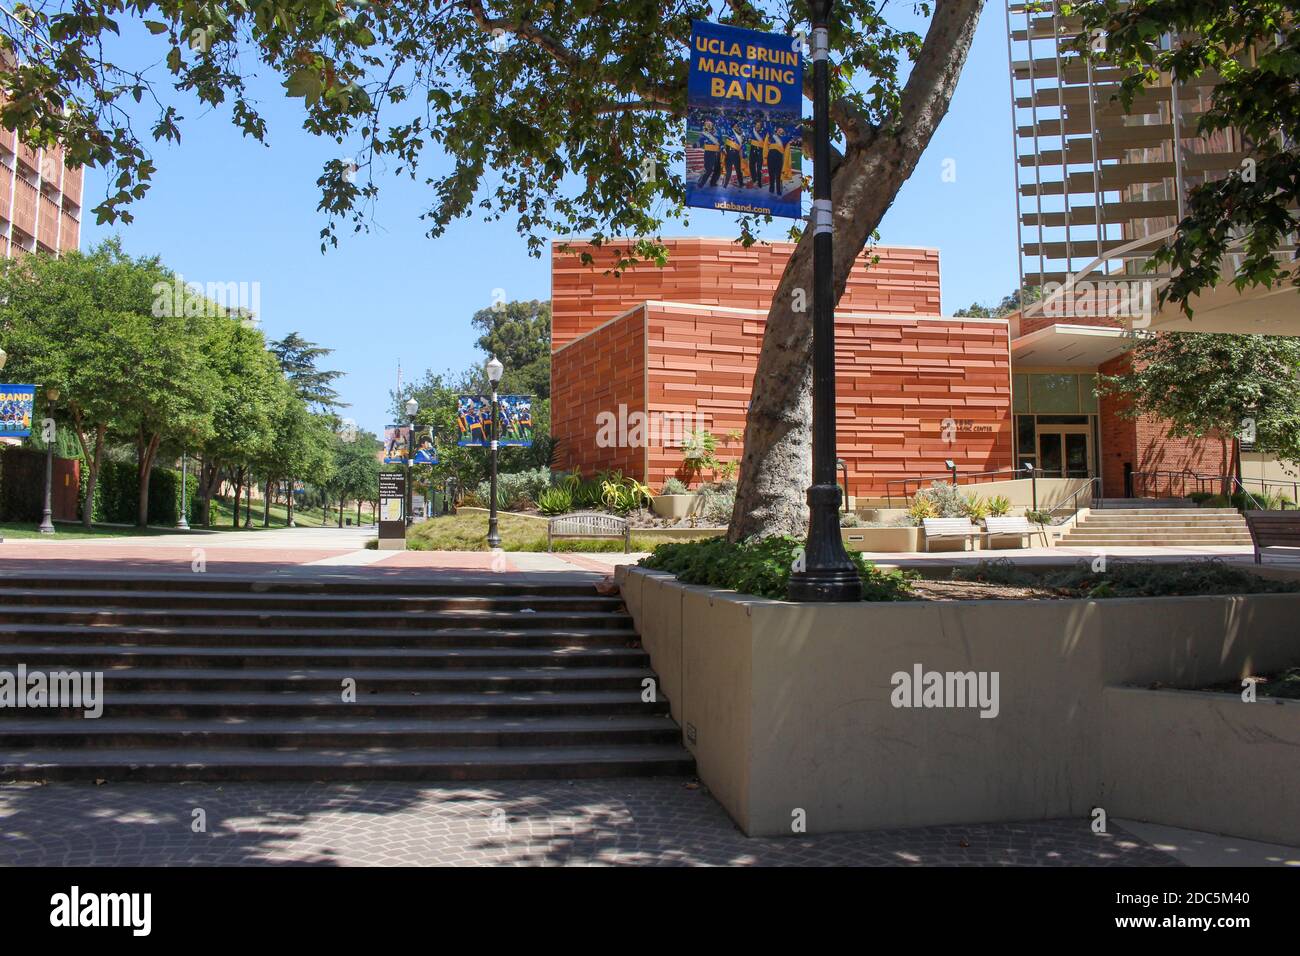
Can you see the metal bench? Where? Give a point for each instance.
(589, 524)
(1273, 529)
(949, 528)
(1018, 525)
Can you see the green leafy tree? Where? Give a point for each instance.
(300, 444)
(519, 335)
(298, 360)
(547, 113)
(1251, 51)
(1207, 384)
(247, 393)
(64, 322)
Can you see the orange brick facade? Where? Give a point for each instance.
(40, 199)
(907, 379)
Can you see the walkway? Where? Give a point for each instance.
(655, 821)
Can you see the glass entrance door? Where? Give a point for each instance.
(1065, 451)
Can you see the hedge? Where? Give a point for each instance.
(117, 495)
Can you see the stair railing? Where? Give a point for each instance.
(1092, 489)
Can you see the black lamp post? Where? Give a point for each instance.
(951, 466)
(47, 516)
(412, 406)
(494, 370)
(828, 574)
(4, 357)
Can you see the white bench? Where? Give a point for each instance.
(1013, 525)
(589, 524)
(949, 528)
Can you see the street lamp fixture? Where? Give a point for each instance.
(826, 574)
(183, 524)
(494, 370)
(412, 406)
(951, 466)
(47, 515)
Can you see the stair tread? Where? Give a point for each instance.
(550, 600)
(330, 757)
(11, 628)
(295, 698)
(404, 673)
(557, 654)
(242, 613)
(367, 725)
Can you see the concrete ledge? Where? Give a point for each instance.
(1204, 761)
(788, 710)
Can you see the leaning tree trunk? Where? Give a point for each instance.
(776, 468)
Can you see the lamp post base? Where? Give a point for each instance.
(827, 574)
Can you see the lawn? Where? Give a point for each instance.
(12, 531)
(467, 531)
(222, 512)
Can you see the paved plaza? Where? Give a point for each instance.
(649, 821)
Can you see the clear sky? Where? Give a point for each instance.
(225, 209)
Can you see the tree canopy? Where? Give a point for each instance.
(1250, 50)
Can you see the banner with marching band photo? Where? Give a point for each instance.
(474, 420)
(425, 452)
(16, 408)
(744, 121)
(397, 443)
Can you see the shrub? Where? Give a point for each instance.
(555, 501)
(851, 519)
(674, 486)
(947, 499)
(719, 501)
(977, 509)
(1201, 497)
(518, 489)
(1128, 579)
(1039, 517)
(762, 567)
(920, 509)
(999, 505)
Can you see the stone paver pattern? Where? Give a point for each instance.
(620, 822)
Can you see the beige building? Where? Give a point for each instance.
(40, 199)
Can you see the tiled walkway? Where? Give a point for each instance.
(657, 821)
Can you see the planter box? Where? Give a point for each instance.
(787, 707)
(881, 539)
(676, 506)
(1204, 761)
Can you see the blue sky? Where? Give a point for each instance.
(225, 209)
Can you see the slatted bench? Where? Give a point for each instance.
(949, 528)
(1017, 525)
(589, 524)
(1273, 529)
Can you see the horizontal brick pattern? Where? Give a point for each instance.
(721, 272)
(898, 381)
(1145, 444)
(594, 375)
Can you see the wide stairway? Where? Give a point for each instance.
(210, 677)
(1158, 526)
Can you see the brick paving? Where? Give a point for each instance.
(649, 821)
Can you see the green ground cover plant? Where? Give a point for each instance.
(762, 567)
(1127, 579)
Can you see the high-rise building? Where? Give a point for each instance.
(40, 199)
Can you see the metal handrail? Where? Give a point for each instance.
(1093, 487)
(1205, 481)
(948, 478)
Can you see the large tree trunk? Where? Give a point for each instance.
(266, 505)
(239, 488)
(776, 468)
(146, 453)
(94, 459)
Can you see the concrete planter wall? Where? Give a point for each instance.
(676, 506)
(881, 539)
(787, 707)
(1204, 761)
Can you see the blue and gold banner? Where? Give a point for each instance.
(16, 405)
(744, 121)
(474, 420)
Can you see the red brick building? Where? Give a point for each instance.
(642, 358)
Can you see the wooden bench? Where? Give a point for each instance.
(1273, 529)
(589, 524)
(1013, 525)
(949, 528)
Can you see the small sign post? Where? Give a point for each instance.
(392, 511)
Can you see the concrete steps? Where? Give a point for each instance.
(1159, 527)
(228, 678)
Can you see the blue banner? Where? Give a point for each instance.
(426, 453)
(474, 420)
(744, 121)
(397, 443)
(16, 404)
